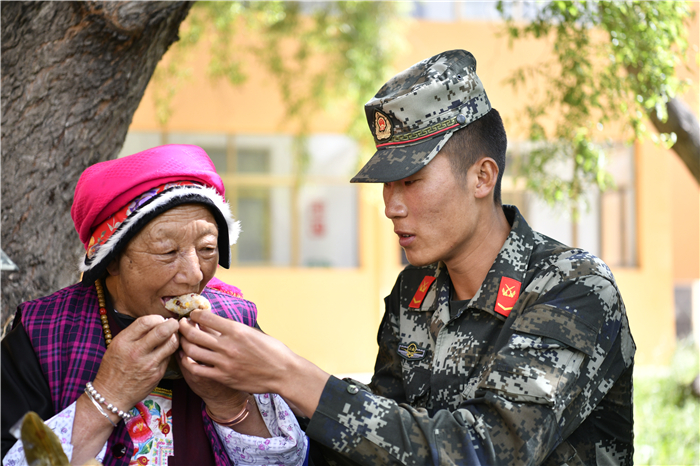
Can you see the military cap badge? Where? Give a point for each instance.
(416, 112)
(382, 126)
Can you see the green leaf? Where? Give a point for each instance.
(147, 447)
(611, 61)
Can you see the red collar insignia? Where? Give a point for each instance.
(421, 292)
(508, 293)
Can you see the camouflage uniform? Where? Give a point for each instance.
(548, 381)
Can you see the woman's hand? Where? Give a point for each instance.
(136, 360)
(223, 402)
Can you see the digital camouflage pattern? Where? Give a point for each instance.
(414, 114)
(549, 384)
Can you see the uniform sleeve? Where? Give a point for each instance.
(535, 391)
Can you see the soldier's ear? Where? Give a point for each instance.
(487, 175)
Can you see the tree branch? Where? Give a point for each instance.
(682, 121)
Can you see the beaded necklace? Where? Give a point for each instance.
(103, 312)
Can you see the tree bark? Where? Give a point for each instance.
(73, 74)
(682, 121)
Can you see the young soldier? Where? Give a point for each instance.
(499, 345)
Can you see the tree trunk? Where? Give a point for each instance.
(682, 121)
(73, 74)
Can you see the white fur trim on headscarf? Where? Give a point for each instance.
(234, 227)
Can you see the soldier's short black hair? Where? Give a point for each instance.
(485, 137)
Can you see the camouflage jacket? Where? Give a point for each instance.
(535, 369)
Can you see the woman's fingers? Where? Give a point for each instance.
(137, 358)
(152, 338)
(148, 336)
(163, 333)
(192, 368)
(141, 327)
(166, 339)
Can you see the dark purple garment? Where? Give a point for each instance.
(66, 334)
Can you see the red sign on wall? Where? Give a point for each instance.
(318, 218)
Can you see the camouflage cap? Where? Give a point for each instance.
(414, 114)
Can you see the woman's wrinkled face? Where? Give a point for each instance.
(176, 253)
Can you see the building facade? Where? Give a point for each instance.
(317, 254)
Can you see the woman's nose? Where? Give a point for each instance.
(190, 270)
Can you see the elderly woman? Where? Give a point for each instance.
(99, 360)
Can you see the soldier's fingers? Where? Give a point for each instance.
(211, 321)
(198, 335)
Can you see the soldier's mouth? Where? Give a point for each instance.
(405, 239)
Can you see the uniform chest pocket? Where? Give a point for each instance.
(416, 381)
(543, 359)
(552, 323)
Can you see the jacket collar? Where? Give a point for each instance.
(512, 262)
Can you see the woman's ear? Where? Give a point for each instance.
(113, 267)
(487, 176)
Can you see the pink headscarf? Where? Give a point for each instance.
(115, 199)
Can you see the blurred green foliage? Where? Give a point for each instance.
(666, 414)
(613, 61)
(355, 42)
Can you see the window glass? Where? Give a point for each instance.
(607, 221)
(253, 160)
(289, 216)
(430, 10)
(618, 212)
(328, 204)
(253, 209)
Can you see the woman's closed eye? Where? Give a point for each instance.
(167, 254)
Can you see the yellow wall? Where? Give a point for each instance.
(648, 289)
(254, 107)
(685, 207)
(330, 316)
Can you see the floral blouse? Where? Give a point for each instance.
(151, 430)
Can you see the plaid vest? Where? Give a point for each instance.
(66, 333)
